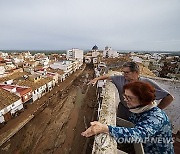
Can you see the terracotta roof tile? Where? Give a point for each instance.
(32, 84)
(7, 98)
(13, 76)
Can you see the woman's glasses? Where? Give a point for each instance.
(129, 98)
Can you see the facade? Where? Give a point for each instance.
(109, 53)
(3, 55)
(66, 66)
(95, 52)
(53, 75)
(9, 65)
(2, 70)
(17, 60)
(61, 74)
(26, 54)
(30, 64)
(38, 84)
(136, 59)
(74, 54)
(44, 61)
(25, 93)
(88, 59)
(10, 104)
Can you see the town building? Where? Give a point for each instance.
(66, 66)
(109, 53)
(10, 104)
(25, 93)
(74, 54)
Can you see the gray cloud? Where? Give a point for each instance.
(63, 24)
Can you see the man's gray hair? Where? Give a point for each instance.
(134, 67)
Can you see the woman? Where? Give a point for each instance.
(152, 127)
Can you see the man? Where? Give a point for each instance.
(131, 74)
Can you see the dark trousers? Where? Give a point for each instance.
(123, 112)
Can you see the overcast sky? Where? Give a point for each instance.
(66, 24)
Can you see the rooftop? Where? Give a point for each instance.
(32, 84)
(59, 71)
(7, 98)
(13, 76)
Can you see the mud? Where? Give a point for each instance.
(57, 128)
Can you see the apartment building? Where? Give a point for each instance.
(74, 54)
(109, 53)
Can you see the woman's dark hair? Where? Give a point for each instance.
(134, 67)
(144, 91)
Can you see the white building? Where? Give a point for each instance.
(156, 56)
(95, 53)
(76, 65)
(17, 60)
(74, 54)
(9, 107)
(109, 53)
(4, 55)
(66, 66)
(44, 61)
(9, 65)
(53, 76)
(136, 59)
(88, 59)
(27, 54)
(2, 70)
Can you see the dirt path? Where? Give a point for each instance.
(53, 129)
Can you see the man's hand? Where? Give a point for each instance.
(95, 128)
(93, 82)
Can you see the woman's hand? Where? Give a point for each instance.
(95, 128)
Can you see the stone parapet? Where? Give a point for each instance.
(104, 143)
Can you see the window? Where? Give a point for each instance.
(25, 97)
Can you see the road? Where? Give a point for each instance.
(57, 119)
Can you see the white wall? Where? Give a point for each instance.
(136, 59)
(78, 54)
(110, 53)
(66, 66)
(14, 107)
(2, 119)
(17, 106)
(74, 54)
(35, 95)
(2, 70)
(8, 82)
